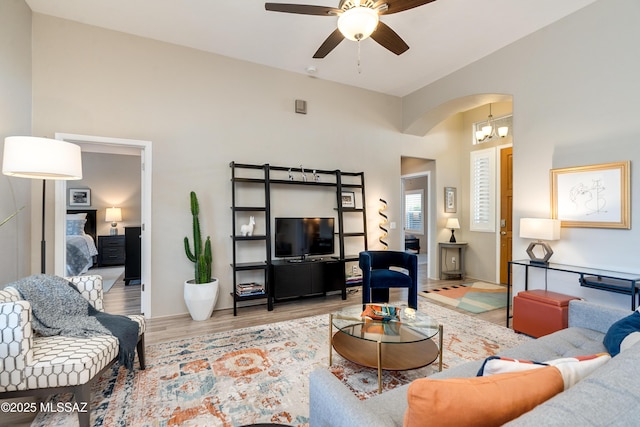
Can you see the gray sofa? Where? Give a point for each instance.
(610, 396)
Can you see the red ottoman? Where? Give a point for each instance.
(538, 312)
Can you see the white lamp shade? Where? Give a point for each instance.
(452, 223)
(358, 23)
(113, 215)
(503, 131)
(540, 228)
(41, 158)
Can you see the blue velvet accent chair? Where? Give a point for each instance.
(377, 278)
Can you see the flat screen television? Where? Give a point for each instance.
(300, 237)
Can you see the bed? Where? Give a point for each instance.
(81, 240)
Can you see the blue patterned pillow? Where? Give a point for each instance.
(75, 227)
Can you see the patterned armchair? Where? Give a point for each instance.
(36, 365)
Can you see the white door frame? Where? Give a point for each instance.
(427, 207)
(101, 144)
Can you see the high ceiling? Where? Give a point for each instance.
(443, 36)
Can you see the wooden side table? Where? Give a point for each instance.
(460, 247)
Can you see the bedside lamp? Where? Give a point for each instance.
(539, 229)
(113, 215)
(453, 224)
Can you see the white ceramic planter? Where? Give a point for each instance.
(201, 298)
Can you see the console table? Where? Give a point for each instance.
(605, 280)
(460, 247)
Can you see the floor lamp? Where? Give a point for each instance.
(41, 158)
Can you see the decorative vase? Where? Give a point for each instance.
(201, 298)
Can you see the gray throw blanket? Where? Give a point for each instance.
(59, 309)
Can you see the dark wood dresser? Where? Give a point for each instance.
(132, 265)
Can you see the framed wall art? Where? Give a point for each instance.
(348, 199)
(594, 196)
(450, 205)
(79, 197)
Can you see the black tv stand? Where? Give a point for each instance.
(301, 277)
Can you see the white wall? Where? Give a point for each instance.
(15, 119)
(202, 111)
(575, 102)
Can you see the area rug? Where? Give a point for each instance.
(110, 276)
(258, 374)
(476, 297)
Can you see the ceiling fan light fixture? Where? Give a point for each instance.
(358, 23)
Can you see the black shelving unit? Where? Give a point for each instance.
(259, 265)
(240, 181)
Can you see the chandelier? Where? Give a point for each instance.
(488, 131)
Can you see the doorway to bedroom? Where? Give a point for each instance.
(117, 174)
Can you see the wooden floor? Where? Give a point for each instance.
(123, 299)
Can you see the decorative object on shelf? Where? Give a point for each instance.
(348, 199)
(539, 229)
(247, 229)
(450, 205)
(488, 131)
(41, 158)
(316, 177)
(290, 175)
(114, 216)
(200, 293)
(304, 175)
(383, 223)
(453, 224)
(595, 196)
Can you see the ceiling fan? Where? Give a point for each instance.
(357, 20)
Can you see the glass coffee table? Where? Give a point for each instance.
(395, 345)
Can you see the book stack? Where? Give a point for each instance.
(248, 289)
(354, 280)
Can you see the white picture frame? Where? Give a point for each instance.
(79, 197)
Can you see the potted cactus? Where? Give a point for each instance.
(201, 292)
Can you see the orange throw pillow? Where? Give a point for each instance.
(480, 401)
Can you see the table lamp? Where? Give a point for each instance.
(41, 158)
(113, 215)
(539, 229)
(453, 224)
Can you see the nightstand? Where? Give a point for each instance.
(111, 250)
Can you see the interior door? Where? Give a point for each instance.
(506, 210)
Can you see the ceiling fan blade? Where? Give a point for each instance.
(395, 6)
(389, 39)
(302, 9)
(329, 44)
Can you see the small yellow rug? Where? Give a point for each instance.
(476, 297)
